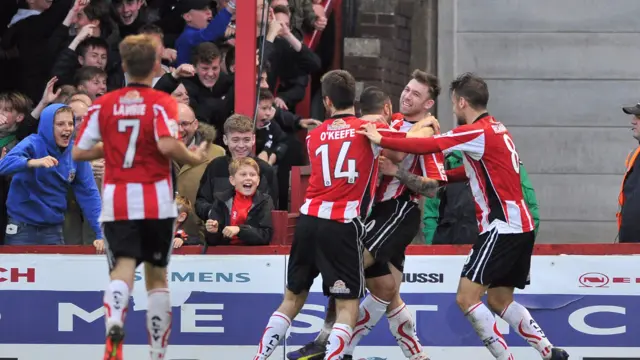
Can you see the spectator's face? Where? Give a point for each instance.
(63, 128)
(95, 87)
(95, 56)
(208, 73)
(128, 10)
(40, 5)
(239, 144)
(263, 80)
(187, 124)
(181, 95)
(12, 116)
(198, 19)
(415, 99)
(265, 112)
(82, 20)
(80, 109)
(283, 18)
(245, 180)
(635, 126)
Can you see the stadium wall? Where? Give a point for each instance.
(585, 297)
(558, 72)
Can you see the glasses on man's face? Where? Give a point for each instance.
(185, 123)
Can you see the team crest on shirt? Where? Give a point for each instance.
(72, 176)
(338, 124)
(132, 97)
(339, 287)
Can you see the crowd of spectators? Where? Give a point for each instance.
(58, 56)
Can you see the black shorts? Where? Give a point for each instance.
(147, 241)
(500, 259)
(332, 249)
(391, 227)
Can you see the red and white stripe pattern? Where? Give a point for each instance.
(136, 201)
(429, 166)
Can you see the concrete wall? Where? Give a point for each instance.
(558, 72)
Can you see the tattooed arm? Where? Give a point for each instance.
(416, 183)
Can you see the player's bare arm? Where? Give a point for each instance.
(416, 183)
(176, 150)
(95, 153)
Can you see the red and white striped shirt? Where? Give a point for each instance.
(492, 165)
(430, 166)
(344, 169)
(137, 182)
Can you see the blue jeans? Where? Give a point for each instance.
(19, 233)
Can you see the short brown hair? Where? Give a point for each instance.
(236, 164)
(205, 53)
(62, 110)
(151, 29)
(373, 100)
(340, 87)
(18, 101)
(87, 73)
(139, 54)
(428, 80)
(184, 205)
(281, 9)
(265, 94)
(66, 92)
(238, 123)
(472, 88)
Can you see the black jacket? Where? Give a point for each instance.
(216, 179)
(258, 228)
(457, 222)
(211, 105)
(272, 140)
(630, 212)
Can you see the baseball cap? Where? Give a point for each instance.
(632, 110)
(184, 6)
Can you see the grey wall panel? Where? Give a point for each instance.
(548, 15)
(577, 197)
(577, 232)
(562, 102)
(573, 150)
(550, 56)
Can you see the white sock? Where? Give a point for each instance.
(521, 321)
(116, 300)
(323, 335)
(403, 329)
(484, 323)
(274, 333)
(338, 340)
(158, 322)
(370, 312)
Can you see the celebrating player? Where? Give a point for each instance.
(501, 257)
(328, 236)
(392, 224)
(138, 128)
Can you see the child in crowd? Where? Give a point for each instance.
(271, 141)
(184, 211)
(242, 215)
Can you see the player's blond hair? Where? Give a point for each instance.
(238, 123)
(139, 54)
(236, 164)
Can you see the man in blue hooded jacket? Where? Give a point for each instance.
(43, 171)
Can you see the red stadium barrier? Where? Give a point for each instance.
(543, 249)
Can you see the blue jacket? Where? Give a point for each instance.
(39, 196)
(192, 37)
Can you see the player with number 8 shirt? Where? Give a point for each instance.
(501, 257)
(329, 232)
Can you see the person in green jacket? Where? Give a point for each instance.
(432, 205)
